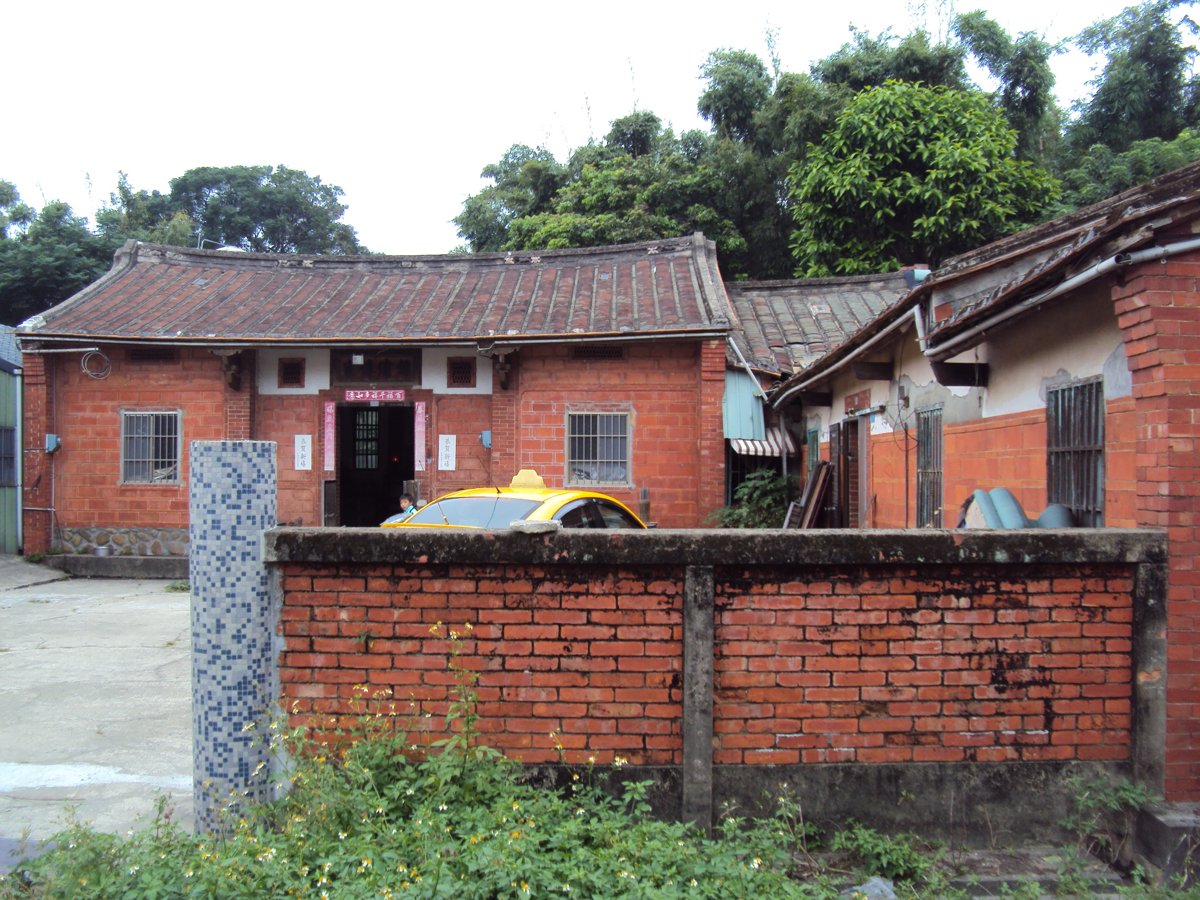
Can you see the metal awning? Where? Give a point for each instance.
(774, 444)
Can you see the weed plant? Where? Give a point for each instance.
(375, 808)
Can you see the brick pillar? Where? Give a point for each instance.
(38, 414)
(239, 397)
(711, 481)
(1158, 309)
(505, 452)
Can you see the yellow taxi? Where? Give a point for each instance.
(525, 499)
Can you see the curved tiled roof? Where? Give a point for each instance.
(156, 293)
(789, 324)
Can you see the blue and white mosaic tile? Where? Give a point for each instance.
(234, 672)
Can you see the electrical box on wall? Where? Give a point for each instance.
(53, 442)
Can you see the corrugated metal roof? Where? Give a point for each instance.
(158, 293)
(787, 325)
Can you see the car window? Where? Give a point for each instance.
(577, 514)
(614, 516)
(474, 512)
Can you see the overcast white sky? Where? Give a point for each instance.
(400, 106)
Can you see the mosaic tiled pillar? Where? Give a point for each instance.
(232, 501)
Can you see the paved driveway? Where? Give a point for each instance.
(95, 702)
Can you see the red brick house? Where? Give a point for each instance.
(1063, 363)
(597, 367)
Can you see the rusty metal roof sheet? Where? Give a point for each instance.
(156, 293)
(787, 325)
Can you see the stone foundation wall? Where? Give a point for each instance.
(97, 541)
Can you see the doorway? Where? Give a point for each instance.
(375, 458)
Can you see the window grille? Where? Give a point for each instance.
(150, 444)
(812, 450)
(291, 372)
(597, 448)
(597, 351)
(366, 439)
(8, 457)
(1075, 450)
(929, 468)
(460, 372)
(153, 354)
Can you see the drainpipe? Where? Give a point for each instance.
(1120, 260)
(900, 322)
(19, 440)
(745, 365)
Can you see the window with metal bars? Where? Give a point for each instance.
(8, 457)
(597, 448)
(366, 439)
(812, 450)
(1075, 450)
(929, 467)
(150, 443)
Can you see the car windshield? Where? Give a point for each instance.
(474, 512)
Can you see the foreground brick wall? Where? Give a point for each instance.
(833, 649)
(942, 664)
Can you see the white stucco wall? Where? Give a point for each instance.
(316, 370)
(433, 370)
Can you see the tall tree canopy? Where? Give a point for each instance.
(1144, 89)
(44, 257)
(264, 209)
(1022, 66)
(910, 174)
(47, 256)
(953, 174)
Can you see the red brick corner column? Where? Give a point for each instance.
(38, 466)
(1158, 309)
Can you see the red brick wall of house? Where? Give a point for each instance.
(892, 504)
(279, 417)
(1157, 310)
(1120, 463)
(85, 411)
(466, 416)
(835, 664)
(672, 392)
(1001, 451)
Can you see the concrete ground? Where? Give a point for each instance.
(95, 702)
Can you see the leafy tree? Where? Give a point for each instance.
(524, 183)
(869, 61)
(910, 174)
(618, 198)
(14, 215)
(1102, 172)
(264, 209)
(144, 216)
(737, 88)
(45, 257)
(1144, 90)
(1022, 66)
